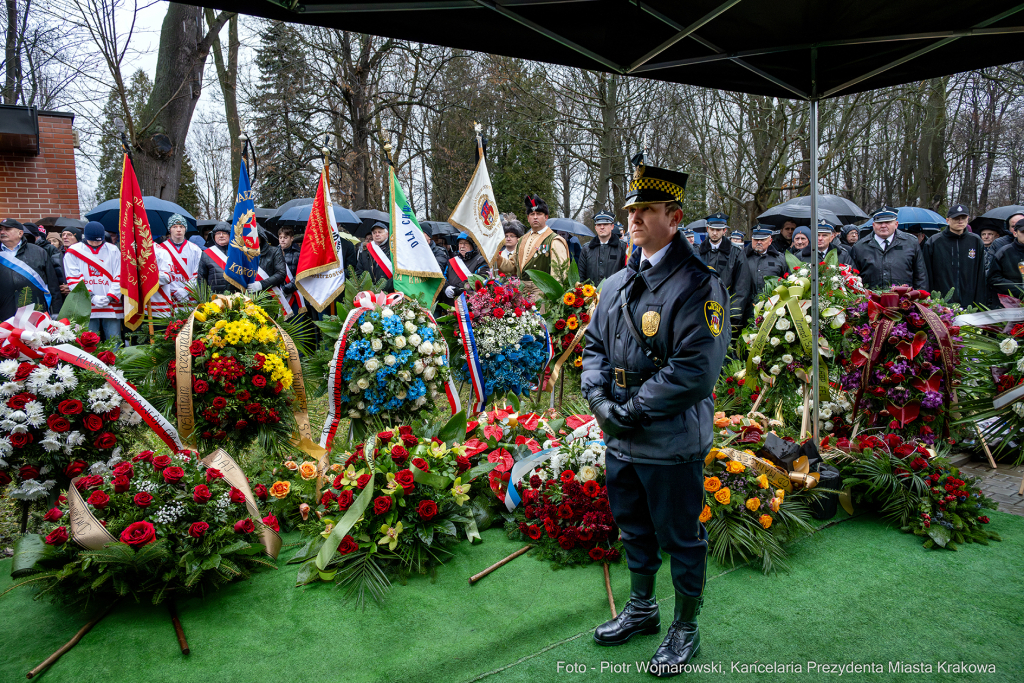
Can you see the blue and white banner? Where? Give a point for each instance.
(11, 261)
(243, 261)
(476, 370)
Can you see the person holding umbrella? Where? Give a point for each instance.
(890, 256)
(604, 254)
(955, 260)
(178, 262)
(97, 263)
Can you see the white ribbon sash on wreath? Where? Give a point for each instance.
(519, 470)
(336, 385)
(26, 330)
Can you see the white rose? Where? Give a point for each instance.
(415, 340)
(405, 376)
(372, 365)
(361, 405)
(1008, 345)
(390, 360)
(366, 328)
(439, 361)
(807, 318)
(422, 400)
(1020, 365)
(354, 414)
(829, 426)
(410, 328)
(428, 373)
(587, 473)
(399, 342)
(756, 360)
(803, 272)
(410, 314)
(363, 383)
(782, 325)
(376, 344)
(353, 387)
(426, 348)
(401, 395)
(776, 369)
(790, 337)
(417, 367)
(775, 341)
(787, 358)
(386, 313)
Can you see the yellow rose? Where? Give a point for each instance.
(712, 484)
(780, 494)
(280, 489)
(705, 514)
(753, 504)
(291, 464)
(723, 496)
(763, 481)
(734, 467)
(308, 470)
(766, 521)
(775, 504)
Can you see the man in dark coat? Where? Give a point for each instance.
(604, 254)
(955, 260)
(468, 262)
(272, 263)
(889, 256)
(651, 394)
(731, 265)
(825, 245)
(209, 271)
(783, 239)
(1008, 236)
(763, 262)
(13, 240)
(1004, 273)
(366, 263)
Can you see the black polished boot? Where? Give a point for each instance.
(640, 615)
(682, 641)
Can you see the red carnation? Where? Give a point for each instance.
(142, 499)
(89, 341)
(498, 312)
(236, 496)
(50, 359)
(70, 407)
(596, 554)
(244, 526)
(139, 534)
(172, 475)
(201, 494)
(105, 440)
(259, 381)
(566, 543)
(427, 510)
(75, 468)
(381, 504)
(564, 511)
(345, 499)
(348, 545)
(121, 484)
(53, 514)
(58, 536)
(420, 464)
(198, 529)
(98, 500)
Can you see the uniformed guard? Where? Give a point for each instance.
(540, 249)
(736, 238)
(690, 235)
(604, 254)
(654, 349)
(889, 257)
(763, 262)
(731, 265)
(825, 245)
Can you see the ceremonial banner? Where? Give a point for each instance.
(476, 214)
(320, 274)
(416, 271)
(244, 247)
(140, 277)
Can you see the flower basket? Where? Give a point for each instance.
(567, 307)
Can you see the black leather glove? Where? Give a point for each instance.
(635, 414)
(614, 419)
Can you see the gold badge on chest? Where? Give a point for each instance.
(649, 322)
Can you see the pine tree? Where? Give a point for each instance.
(109, 184)
(283, 132)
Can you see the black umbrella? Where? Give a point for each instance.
(271, 221)
(368, 218)
(699, 225)
(65, 222)
(996, 219)
(843, 208)
(439, 228)
(798, 213)
(570, 226)
(200, 225)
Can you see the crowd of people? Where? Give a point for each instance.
(972, 268)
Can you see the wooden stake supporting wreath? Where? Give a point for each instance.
(178, 630)
(984, 444)
(70, 644)
(476, 577)
(608, 587)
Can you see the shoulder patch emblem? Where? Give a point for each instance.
(714, 314)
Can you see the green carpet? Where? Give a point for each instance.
(858, 592)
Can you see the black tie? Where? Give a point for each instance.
(885, 245)
(646, 265)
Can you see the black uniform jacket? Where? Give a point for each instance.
(598, 261)
(1004, 276)
(365, 263)
(957, 262)
(901, 264)
(761, 267)
(691, 341)
(843, 255)
(731, 266)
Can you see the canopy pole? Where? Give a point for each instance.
(815, 321)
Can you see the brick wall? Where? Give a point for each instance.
(34, 187)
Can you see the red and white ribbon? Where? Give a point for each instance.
(381, 258)
(459, 267)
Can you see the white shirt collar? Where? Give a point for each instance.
(656, 257)
(4, 247)
(881, 240)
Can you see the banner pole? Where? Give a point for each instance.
(149, 313)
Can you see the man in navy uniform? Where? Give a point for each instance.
(763, 263)
(890, 256)
(731, 265)
(655, 347)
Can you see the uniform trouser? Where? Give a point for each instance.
(657, 507)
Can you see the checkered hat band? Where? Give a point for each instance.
(655, 184)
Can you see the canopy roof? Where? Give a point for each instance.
(798, 48)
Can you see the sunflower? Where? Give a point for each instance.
(569, 298)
